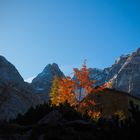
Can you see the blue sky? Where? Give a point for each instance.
(34, 33)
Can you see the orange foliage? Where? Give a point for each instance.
(83, 81)
(93, 114)
(67, 88)
(73, 91)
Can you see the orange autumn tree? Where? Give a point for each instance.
(63, 90)
(84, 84)
(77, 91)
(85, 87)
(67, 88)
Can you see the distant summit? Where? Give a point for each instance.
(43, 82)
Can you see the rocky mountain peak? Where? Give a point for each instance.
(43, 82)
(124, 73)
(115, 68)
(3, 61)
(52, 69)
(9, 74)
(48, 73)
(128, 78)
(121, 59)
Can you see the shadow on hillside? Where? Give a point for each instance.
(45, 122)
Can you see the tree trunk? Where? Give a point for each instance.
(80, 92)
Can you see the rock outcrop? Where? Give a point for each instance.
(115, 68)
(105, 75)
(43, 82)
(124, 74)
(98, 75)
(128, 78)
(16, 96)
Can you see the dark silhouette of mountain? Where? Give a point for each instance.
(16, 96)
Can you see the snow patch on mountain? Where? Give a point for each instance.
(30, 79)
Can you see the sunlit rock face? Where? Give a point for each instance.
(124, 74)
(43, 82)
(16, 96)
(128, 78)
(105, 75)
(115, 68)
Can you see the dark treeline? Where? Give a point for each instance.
(71, 125)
